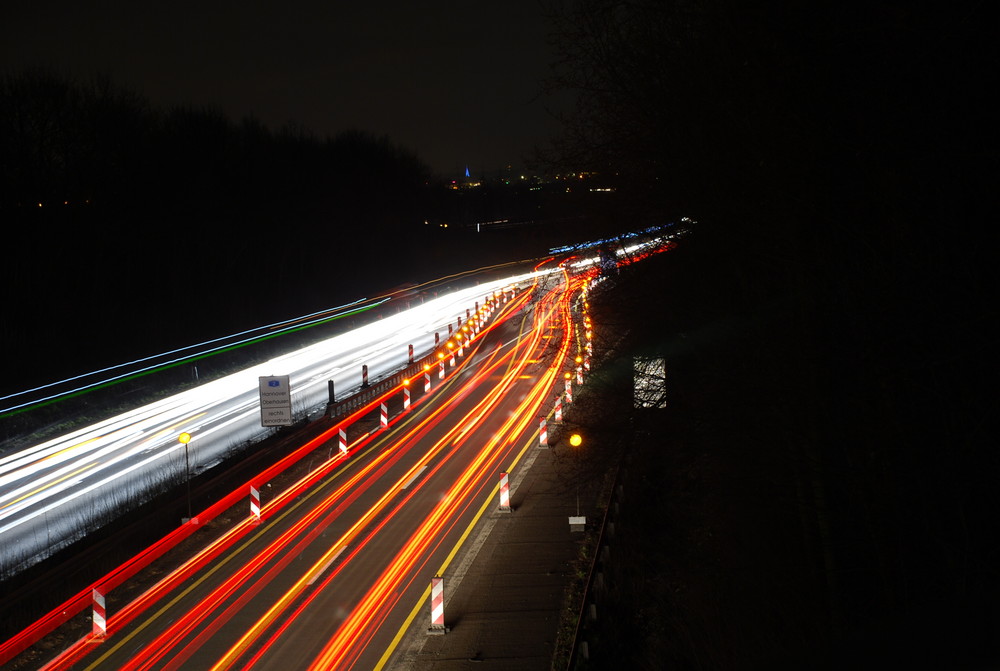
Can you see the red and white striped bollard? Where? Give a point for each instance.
(437, 606)
(504, 494)
(254, 505)
(100, 615)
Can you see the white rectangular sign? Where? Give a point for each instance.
(275, 401)
(650, 377)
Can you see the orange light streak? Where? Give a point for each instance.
(455, 433)
(289, 597)
(352, 636)
(156, 651)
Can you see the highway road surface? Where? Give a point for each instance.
(340, 563)
(51, 493)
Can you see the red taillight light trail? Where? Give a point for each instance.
(179, 641)
(345, 493)
(354, 633)
(496, 393)
(454, 437)
(138, 606)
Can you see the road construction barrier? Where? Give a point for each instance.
(437, 606)
(100, 615)
(254, 505)
(504, 494)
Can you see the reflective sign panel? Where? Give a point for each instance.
(275, 401)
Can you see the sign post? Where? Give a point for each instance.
(275, 401)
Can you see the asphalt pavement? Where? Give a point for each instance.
(506, 589)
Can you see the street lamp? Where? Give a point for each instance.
(185, 438)
(578, 522)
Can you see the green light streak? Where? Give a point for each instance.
(180, 362)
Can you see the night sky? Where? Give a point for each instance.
(457, 83)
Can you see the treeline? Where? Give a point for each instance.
(129, 227)
(69, 141)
